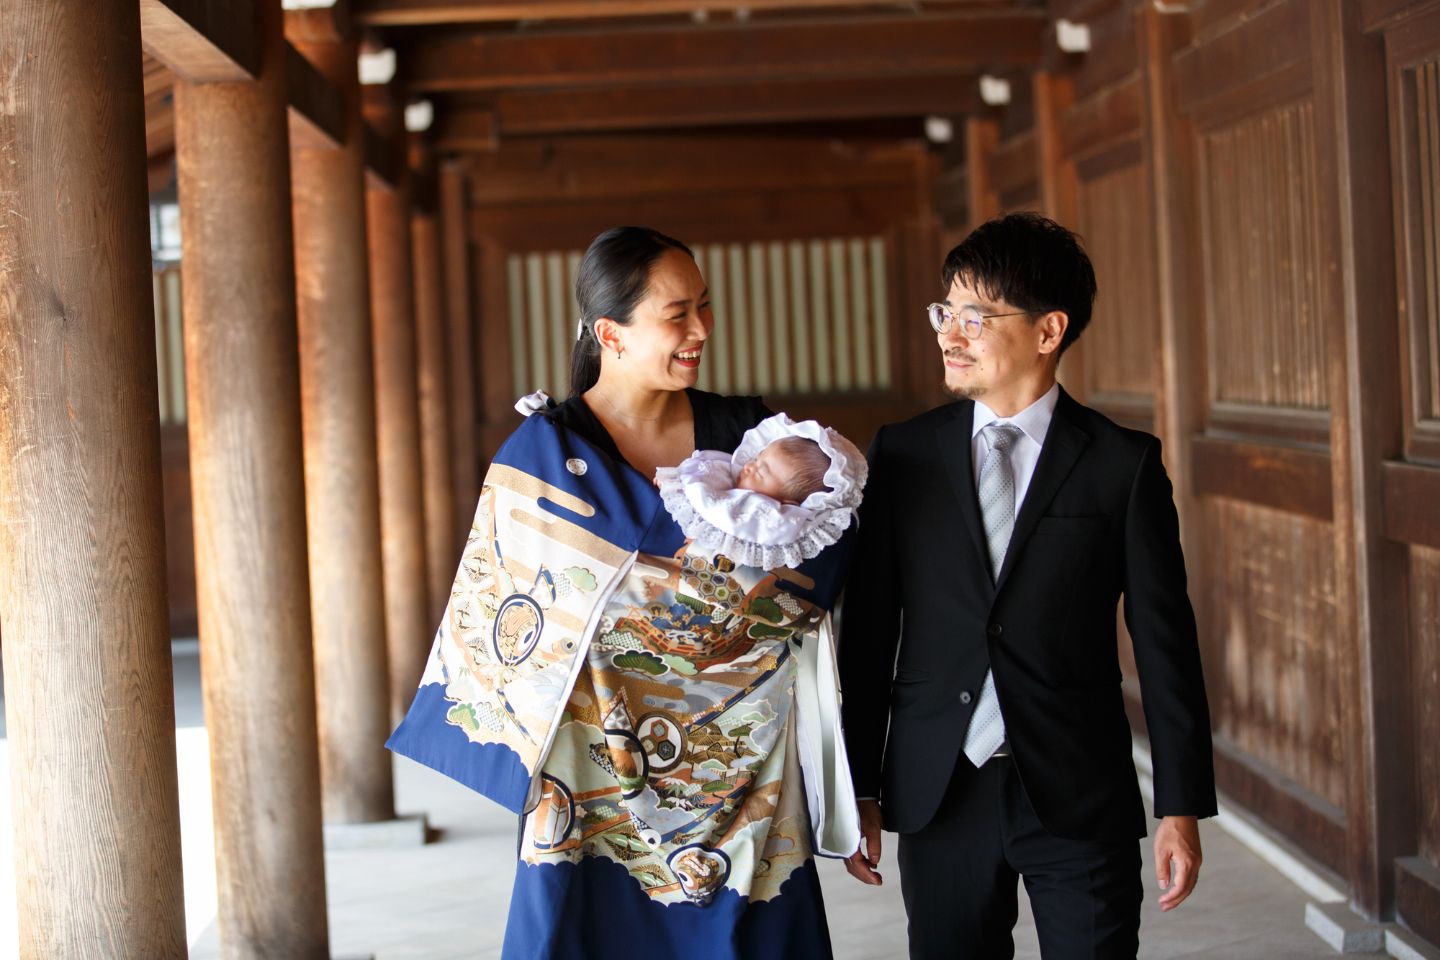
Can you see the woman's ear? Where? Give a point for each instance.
(1052, 330)
(607, 334)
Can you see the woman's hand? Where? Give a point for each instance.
(864, 862)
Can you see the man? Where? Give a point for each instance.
(998, 534)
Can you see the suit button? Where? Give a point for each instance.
(965, 697)
(996, 629)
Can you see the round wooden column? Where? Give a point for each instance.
(408, 625)
(460, 324)
(242, 372)
(90, 712)
(342, 481)
(432, 346)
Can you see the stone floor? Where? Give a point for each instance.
(447, 900)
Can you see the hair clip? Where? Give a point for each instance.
(580, 329)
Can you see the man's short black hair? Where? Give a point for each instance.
(1031, 262)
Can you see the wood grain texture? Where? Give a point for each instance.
(1263, 260)
(89, 709)
(645, 107)
(1356, 230)
(342, 483)
(460, 324)
(1424, 670)
(409, 629)
(1114, 217)
(246, 466)
(550, 170)
(202, 40)
(1169, 152)
(1414, 53)
(780, 214)
(433, 12)
(1265, 597)
(1288, 477)
(859, 47)
(432, 348)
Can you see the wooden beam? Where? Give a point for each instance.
(408, 13)
(1292, 479)
(317, 111)
(202, 40)
(1411, 492)
(874, 47)
(982, 135)
(383, 166)
(1013, 165)
(701, 217)
(463, 131)
(608, 168)
(743, 102)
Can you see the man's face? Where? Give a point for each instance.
(1009, 356)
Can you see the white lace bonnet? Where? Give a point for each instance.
(797, 532)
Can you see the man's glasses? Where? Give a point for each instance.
(972, 321)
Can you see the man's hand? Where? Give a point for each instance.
(862, 863)
(1178, 842)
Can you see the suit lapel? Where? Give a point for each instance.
(1063, 444)
(954, 438)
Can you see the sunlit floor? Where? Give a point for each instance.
(448, 899)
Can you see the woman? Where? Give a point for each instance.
(649, 712)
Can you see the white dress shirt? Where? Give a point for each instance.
(1033, 421)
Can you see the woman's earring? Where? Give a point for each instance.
(619, 353)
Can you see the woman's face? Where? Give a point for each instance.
(665, 341)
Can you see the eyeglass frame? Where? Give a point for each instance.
(978, 321)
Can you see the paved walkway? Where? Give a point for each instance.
(448, 899)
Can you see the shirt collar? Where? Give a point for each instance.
(1034, 420)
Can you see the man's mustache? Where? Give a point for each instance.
(956, 355)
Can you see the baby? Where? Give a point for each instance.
(787, 470)
(787, 492)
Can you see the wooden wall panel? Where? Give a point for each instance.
(1114, 219)
(1264, 593)
(1415, 113)
(1425, 647)
(1262, 260)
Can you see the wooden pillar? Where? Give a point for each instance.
(342, 481)
(497, 388)
(982, 135)
(89, 708)
(1371, 572)
(402, 511)
(1053, 94)
(1170, 150)
(242, 374)
(432, 348)
(460, 325)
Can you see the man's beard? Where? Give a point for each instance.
(971, 392)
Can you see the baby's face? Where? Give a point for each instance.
(769, 473)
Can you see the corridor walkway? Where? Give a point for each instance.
(448, 900)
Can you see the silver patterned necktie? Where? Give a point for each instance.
(997, 511)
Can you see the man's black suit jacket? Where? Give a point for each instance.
(1098, 521)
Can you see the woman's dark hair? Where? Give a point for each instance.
(1031, 262)
(612, 279)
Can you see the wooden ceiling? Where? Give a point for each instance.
(498, 70)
